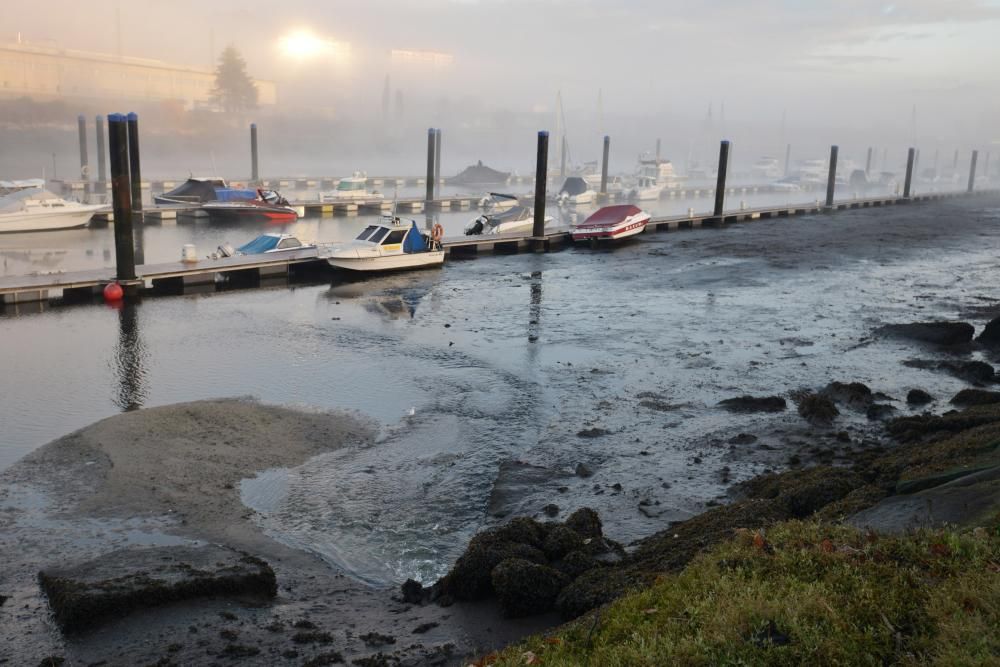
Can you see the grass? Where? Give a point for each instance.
(800, 593)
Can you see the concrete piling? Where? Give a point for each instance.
(102, 172)
(604, 165)
(541, 176)
(437, 158)
(430, 165)
(911, 158)
(254, 155)
(831, 179)
(133, 163)
(720, 184)
(121, 196)
(972, 171)
(84, 162)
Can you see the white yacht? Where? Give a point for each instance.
(652, 177)
(390, 246)
(496, 202)
(36, 210)
(352, 188)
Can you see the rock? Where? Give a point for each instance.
(524, 588)
(754, 404)
(803, 492)
(968, 397)
(879, 411)
(742, 439)
(583, 470)
(854, 395)
(424, 627)
(937, 333)
(585, 522)
(918, 397)
(376, 639)
(818, 410)
(595, 432)
(970, 371)
(991, 334)
(413, 592)
(592, 589)
(83, 595)
(3, 598)
(561, 541)
(551, 510)
(576, 563)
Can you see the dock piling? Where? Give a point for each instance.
(254, 164)
(986, 167)
(604, 165)
(430, 165)
(720, 184)
(868, 162)
(102, 171)
(831, 179)
(972, 171)
(437, 158)
(541, 176)
(121, 196)
(133, 163)
(911, 157)
(657, 150)
(84, 162)
(788, 159)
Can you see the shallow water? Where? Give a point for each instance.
(503, 360)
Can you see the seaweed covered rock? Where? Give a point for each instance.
(936, 333)
(524, 588)
(575, 563)
(928, 427)
(971, 371)
(817, 409)
(754, 404)
(803, 492)
(594, 588)
(918, 397)
(560, 541)
(85, 594)
(469, 578)
(968, 397)
(854, 395)
(586, 522)
(991, 334)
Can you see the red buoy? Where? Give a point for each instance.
(113, 292)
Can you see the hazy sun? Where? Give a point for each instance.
(303, 44)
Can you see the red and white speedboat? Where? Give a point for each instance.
(611, 223)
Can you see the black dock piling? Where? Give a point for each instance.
(657, 150)
(831, 179)
(437, 160)
(430, 165)
(254, 164)
(133, 164)
(868, 162)
(121, 196)
(84, 162)
(720, 183)
(972, 171)
(604, 165)
(788, 159)
(102, 169)
(911, 158)
(541, 176)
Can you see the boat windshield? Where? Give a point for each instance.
(366, 233)
(377, 236)
(345, 186)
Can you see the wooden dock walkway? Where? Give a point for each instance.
(175, 277)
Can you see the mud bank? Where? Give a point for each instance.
(168, 478)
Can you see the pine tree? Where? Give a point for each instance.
(234, 89)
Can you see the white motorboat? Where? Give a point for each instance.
(575, 191)
(352, 188)
(516, 219)
(270, 243)
(766, 169)
(392, 245)
(611, 223)
(652, 177)
(7, 187)
(495, 202)
(38, 210)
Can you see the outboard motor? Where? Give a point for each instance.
(224, 250)
(475, 227)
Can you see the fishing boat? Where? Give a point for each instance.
(494, 202)
(611, 223)
(575, 191)
(34, 209)
(203, 190)
(269, 243)
(352, 188)
(516, 219)
(392, 245)
(268, 206)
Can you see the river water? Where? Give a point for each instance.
(483, 374)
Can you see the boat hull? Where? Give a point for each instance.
(11, 223)
(274, 215)
(416, 260)
(614, 232)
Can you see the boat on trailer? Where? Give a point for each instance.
(392, 245)
(611, 223)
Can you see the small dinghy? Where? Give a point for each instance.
(611, 223)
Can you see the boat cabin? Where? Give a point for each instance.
(394, 235)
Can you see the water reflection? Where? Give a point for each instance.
(535, 309)
(130, 359)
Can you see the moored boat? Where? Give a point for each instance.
(611, 223)
(270, 243)
(33, 209)
(352, 188)
(203, 190)
(392, 245)
(516, 219)
(269, 206)
(575, 191)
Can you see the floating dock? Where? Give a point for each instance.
(254, 270)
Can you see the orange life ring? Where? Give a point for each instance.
(437, 232)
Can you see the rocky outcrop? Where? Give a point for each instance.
(969, 397)
(935, 333)
(991, 334)
(754, 404)
(817, 409)
(918, 397)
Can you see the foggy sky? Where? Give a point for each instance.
(852, 68)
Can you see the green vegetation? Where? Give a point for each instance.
(800, 593)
